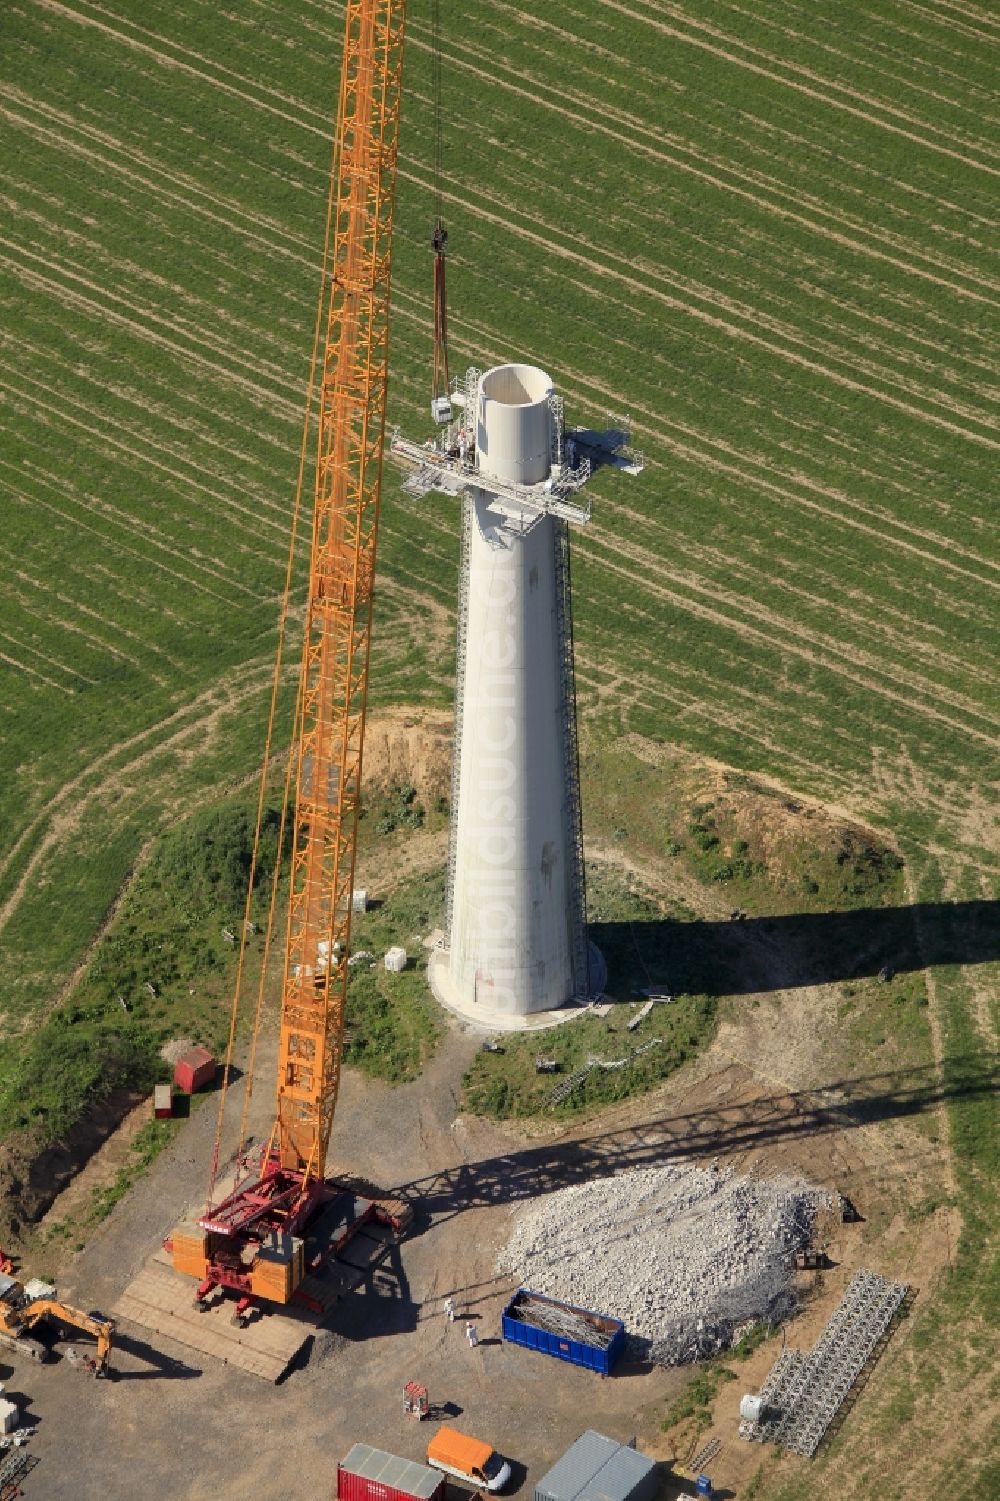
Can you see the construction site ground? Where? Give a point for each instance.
(178, 1421)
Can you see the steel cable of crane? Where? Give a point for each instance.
(436, 97)
(307, 423)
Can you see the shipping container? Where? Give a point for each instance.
(163, 1102)
(369, 1474)
(597, 1468)
(627, 1476)
(560, 1329)
(194, 1069)
(581, 1462)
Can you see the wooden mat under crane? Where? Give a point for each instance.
(162, 1301)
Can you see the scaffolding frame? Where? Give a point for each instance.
(803, 1392)
(572, 807)
(461, 641)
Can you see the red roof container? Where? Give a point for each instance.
(369, 1474)
(194, 1069)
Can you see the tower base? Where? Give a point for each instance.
(482, 1019)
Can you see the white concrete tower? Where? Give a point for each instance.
(517, 924)
(516, 941)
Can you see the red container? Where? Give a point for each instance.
(163, 1105)
(369, 1474)
(194, 1069)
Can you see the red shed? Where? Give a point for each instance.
(194, 1069)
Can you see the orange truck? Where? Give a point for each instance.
(468, 1459)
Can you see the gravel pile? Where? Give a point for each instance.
(686, 1257)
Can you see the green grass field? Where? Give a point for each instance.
(767, 231)
(764, 231)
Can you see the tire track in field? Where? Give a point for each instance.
(754, 559)
(23, 646)
(931, 398)
(94, 507)
(774, 493)
(704, 706)
(298, 118)
(757, 704)
(261, 395)
(65, 824)
(124, 520)
(633, 128)
(73, 794)
(109, 624)
(885, 518)
(143, 559)
(807, 89)
(713, 590)
(202, 315)
(854, 620)
(584, 390)
(812, 341)
(589, 389)
(187, 187)
(97, 644)
(667, 299)
(254, 515)
(959, 26)
(879, 320)
(822, 369)
(146, 159)
(921, 64)
(709, 294)
(34, 673)
(903, 53)
(816, 648)
(178, 396)
(640, 124)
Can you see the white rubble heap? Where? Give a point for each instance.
(686, 1257)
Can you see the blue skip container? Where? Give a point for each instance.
(575, 1334)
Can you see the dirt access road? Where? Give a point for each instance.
(173, 1423)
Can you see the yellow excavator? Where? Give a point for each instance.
(25, 1305)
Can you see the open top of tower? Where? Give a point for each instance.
(515, 385)
(552, 465)
(515, 426)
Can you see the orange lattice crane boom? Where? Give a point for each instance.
(330, 730)
(252, 1242)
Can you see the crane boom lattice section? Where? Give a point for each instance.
(330, 729)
